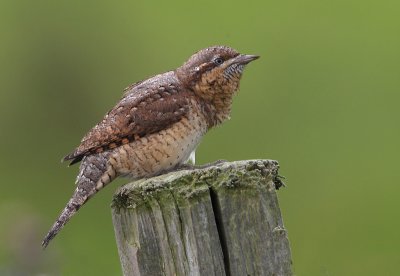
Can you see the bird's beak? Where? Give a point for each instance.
(245, 59)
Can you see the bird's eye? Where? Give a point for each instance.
(218, 61)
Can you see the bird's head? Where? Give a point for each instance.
(214, 73)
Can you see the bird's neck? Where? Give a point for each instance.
(216, 110)
(215, 93)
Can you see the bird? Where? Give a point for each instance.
(156, 126)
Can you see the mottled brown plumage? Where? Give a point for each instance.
(157, 124)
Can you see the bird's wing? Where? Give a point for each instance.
(146, 107)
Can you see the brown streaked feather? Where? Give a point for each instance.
(146, 108)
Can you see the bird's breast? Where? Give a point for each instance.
(161, 151)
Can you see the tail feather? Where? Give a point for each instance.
(72, 207)
(74, 157)
(94, 174)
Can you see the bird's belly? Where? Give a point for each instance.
(160, 151)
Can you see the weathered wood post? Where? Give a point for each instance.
(221, 220)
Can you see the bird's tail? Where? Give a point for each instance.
(95, 173)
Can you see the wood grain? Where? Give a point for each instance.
(220, 220)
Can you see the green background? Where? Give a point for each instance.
(323, 100)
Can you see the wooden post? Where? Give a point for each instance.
(220, 220)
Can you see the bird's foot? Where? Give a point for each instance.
(278, 181)
(215, 163)
(189, 166)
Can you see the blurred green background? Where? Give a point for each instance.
(323, 100)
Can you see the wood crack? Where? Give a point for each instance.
(220, 228)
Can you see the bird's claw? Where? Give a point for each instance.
(278, 181)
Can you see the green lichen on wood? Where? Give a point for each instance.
(190, 183)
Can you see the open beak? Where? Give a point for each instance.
(245, 59)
